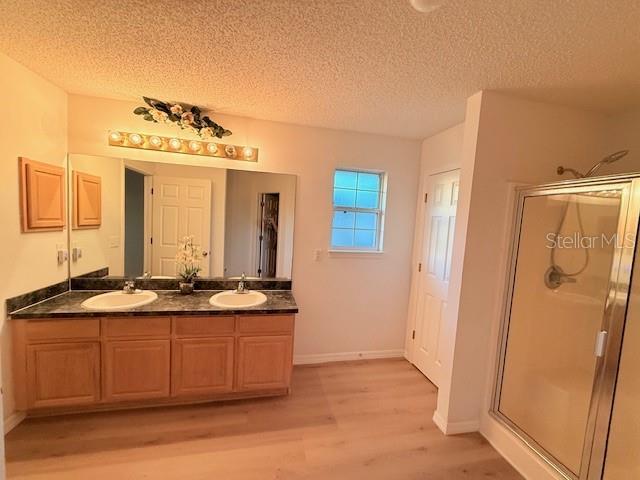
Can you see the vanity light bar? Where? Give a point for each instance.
(181, 145)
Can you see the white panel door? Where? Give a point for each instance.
(433, 285)
(181, 206)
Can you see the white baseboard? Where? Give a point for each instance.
(13, 420)
(455, 428)
(346, 356)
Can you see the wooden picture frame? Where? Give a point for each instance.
(42, 196)
(87, 201)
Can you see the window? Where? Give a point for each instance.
(358, 210)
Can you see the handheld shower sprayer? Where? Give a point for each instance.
(614, 157)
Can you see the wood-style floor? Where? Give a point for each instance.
(356, 420)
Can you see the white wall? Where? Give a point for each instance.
(623, 133)
(241, 244)
(35, 126)
(103, 246)
(348, 303)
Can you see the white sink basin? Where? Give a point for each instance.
(119, 300)
(231, 299)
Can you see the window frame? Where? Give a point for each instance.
(379, 211)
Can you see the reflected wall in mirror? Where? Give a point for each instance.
(241, 220)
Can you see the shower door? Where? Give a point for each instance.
(564, 317)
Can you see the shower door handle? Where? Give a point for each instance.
(601, 343)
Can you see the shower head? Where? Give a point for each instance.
(614, 157)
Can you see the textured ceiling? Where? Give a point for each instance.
(367, 65)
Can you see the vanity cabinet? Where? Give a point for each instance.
(63, 374)
(265, 349)
(202, 366)
(58, 363)
(203, 356)
(264, 362)
(136, 369)
(136, 358)
(80, 364)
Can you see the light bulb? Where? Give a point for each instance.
(136, 139)
(230, 150)
(248, 152)
(155, 141)
(115, 137)
(212, 148)
(194, 146)
(175, 144)
(426, 6)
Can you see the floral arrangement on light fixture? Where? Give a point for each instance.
(187, 117)
(188, 259)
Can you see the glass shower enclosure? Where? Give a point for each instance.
(564, 384)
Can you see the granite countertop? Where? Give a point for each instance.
(67, 305)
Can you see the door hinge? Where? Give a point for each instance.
(426, 195)
(420, 267)
(151, 240)
(413, 335)
(151, 190)
(601, 343)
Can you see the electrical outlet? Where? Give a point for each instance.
(76, 254)
(63, 256)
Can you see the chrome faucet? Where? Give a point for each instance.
(129, 286)
(241, 288)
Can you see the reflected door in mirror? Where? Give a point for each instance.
(181, 207)
(268, 240)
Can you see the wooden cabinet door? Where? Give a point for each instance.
(87, 200)
(202, 366)
(42, 196)
(264, 362)
(63, 374)
(136, 369)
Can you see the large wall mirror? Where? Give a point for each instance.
(127, 217)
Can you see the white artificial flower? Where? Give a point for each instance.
(176, 109)
(186, 118)
(158, 115)
(206, 132)
(188, 258)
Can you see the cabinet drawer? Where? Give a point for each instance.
(63, 330)
(137, 327)
(203, 326)
(266, 324)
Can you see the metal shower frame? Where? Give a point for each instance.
(613, 320)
